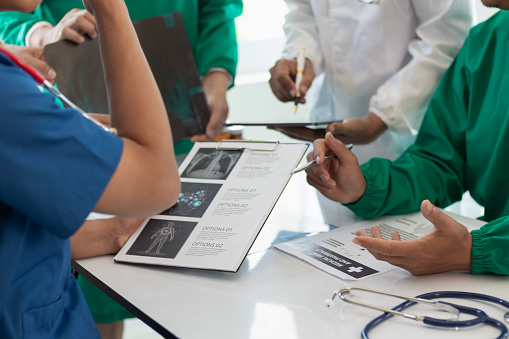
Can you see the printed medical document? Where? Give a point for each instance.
(334, 252)
(227, 193)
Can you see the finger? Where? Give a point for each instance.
(375, 232)
(307, 78)
(85, 26)
(386, 247)
(216, 123)
(333, 127)
(343, 154)
(42, 66)
(320, 185)
(361, 233)
(440, 220)
(395, 236)
(281, 80)
(320, 148)
(200, 137)
(88, 16)
(72, 35)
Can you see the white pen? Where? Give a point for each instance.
(313, 162)
(301, 61)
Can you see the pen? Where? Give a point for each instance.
(52, 89)
(313, 162)
(301, 59)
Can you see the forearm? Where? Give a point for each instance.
(95, 237)
(131, 86)
(146, 181)
(402, 100)
(400, 186)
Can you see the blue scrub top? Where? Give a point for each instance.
(54, 166)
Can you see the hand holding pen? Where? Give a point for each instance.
(339, 179)
(284, 76)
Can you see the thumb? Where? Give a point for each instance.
(342, 152)
(439, 219)
(335, 127)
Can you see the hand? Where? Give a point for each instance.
(123, 228)
(446, 248)
(74, 26)
(34, 57)
(358, 131)
(282, 80)
(301, 133)
(215, 85)
(339, 179)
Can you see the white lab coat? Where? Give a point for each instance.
(386, 59)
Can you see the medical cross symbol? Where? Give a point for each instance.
(355, 269)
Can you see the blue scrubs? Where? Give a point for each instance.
(54, 166)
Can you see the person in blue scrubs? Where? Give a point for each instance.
(57, 166)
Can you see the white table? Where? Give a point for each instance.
(275, 295)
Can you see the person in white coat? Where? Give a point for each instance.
(376, 65)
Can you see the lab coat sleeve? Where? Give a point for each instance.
(442, 26)
(434, 167)
(216, 46)
(300, 30)
(15, 25)
(490, 245)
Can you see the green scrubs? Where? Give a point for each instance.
(211, 30)
(463, 145)
(209, 23)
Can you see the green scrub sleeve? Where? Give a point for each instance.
(490, 248)
(217, 43)
(434, 167)
(15, 25)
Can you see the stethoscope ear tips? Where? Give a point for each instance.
(329, 303)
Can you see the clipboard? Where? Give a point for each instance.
(280, 124)
(168, 51)
(228, 190)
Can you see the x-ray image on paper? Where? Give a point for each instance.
(162, 238)
(211, 163)
(193, 200)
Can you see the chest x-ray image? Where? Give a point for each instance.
(211, 163)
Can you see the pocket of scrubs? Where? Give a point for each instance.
(39, 322)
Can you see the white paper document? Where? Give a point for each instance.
(226, 196)
(335, 253)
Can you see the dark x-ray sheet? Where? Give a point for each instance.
(165, 43)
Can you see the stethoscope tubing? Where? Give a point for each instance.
(480, 316)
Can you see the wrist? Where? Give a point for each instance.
(38, 37)
(376, 126)
(215, 81)
(106, 11)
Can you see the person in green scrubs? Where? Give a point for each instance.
(463, 145)
(211, 30)
(209, 23)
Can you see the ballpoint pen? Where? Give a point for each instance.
(52, 89)
(301, 59)
(313, 162)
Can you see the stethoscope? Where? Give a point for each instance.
(39, 78)
(479, 316)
